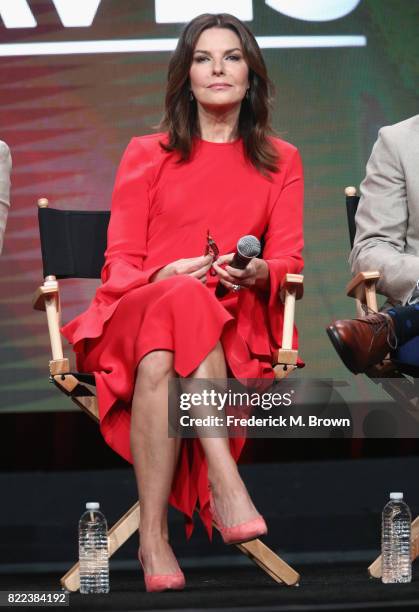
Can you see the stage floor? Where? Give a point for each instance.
(331, 587)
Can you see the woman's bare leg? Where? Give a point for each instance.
(231, 498)
(155, 456)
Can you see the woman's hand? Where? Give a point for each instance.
(194, 266)
(255, 274)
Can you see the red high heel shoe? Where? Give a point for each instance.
(163, 582)
(237, 534)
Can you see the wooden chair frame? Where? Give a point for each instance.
(47, 298)
(363, 289)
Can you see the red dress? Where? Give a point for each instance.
(161, 212)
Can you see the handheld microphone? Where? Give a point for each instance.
(247, 248)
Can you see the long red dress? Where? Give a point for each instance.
(161, 211)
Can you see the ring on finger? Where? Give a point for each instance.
(236, 287)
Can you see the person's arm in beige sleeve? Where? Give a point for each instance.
(384, 220)
(5, 168)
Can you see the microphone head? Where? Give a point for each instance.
(248, 246)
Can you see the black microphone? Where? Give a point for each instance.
(247, 248)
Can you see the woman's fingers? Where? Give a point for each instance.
(201, 273)
(225, 259)
(220, 271)
(192, 264)
(230, 275)
(246, 277)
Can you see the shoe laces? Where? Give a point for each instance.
(381, 321)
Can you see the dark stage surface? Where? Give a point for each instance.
(323, 518)
(315, 511)
(340, 587)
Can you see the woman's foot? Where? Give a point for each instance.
(157, 556)
(160, 566)
(232, 507)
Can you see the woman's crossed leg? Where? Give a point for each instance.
(155, 456)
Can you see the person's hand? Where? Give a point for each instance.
(255, 274)
(194, 266)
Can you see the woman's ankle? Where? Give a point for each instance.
(232, 501)
(224, 479)
(158, 557)
(150, 535)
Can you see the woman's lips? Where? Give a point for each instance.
(219, 86)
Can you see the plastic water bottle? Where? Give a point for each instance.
(93, 551)
(396, 541)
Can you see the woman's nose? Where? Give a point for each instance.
(218, 68)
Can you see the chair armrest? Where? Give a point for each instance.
(362, 288)
(49, 288)
(292, 283)
(292, 288)
(47, 297)
(359, 281)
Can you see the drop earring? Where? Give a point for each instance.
(191, 96)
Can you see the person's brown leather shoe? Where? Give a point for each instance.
(362, 343)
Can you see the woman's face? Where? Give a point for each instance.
(219, 75)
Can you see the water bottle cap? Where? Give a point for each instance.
(92, 506)
(396, 495)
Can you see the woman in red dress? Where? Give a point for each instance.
(214, 168)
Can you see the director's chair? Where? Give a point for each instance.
(73, 245)
(392, 374)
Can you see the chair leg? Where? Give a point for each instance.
(267, 560)
(256, 550)
(117, 536)
(79, 393)
(374, 569)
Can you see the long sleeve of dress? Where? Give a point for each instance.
(260, 314)
(284, 238)
(126, 246)
(127, 232)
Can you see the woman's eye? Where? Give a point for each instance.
(202, 58)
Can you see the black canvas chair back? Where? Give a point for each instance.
(352, 202)
(73, 242)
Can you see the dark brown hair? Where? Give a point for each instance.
(180, 116)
